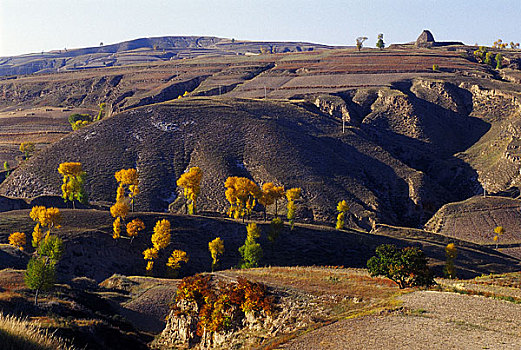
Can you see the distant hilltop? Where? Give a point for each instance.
(144, 50)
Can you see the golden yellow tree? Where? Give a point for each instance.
(45, 217)
(175, 260)
(78, 124)
(73, 182)
(134, 227)
(451, 253)
(120, 209)
(241, 193)
(128, 185)
(17, 239)
(342, 208)
(119, 212)
(499, 231)
(162, 234)
(190, 182)
(150, 255)
(216, 248)
(27, 148)
(37, 235)
(291, 195)
(128, 181)
(116, 228)
(160, 240)
(499, 44)
(270, 195)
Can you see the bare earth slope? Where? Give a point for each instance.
(430, 320)
(396, 179)
(143, 50)
(475, 219)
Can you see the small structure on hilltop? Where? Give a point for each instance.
(426, 39)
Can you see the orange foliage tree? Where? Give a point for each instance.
(191, 183)
(17, 239)
(134, 227)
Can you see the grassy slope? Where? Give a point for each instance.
(17, 334)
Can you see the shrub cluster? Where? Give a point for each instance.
(225, 305)
(406, 266)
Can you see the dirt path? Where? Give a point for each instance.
(430, 320)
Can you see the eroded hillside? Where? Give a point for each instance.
(416, 138)
(384, 167)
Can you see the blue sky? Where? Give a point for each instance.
(33, 26)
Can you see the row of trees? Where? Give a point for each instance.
(499, 44)
(487, 57)
(242, 194)
(406, 266)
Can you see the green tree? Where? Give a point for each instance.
(407, 266)
(40, 276)
(41, 269)
(101, 112)
(79, 120)
(380, 43)
(73, 182)
(7, 168)
(251, 251)
(489, 58)
(275, 229)
(499, 61)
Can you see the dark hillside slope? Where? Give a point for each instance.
(280, 142)
(95, 254)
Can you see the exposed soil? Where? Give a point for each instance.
(431, 320)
